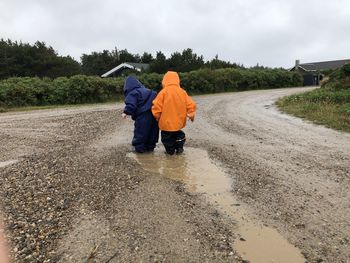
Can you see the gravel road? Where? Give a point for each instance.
(69, 192)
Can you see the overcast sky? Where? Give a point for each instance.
(269, 32)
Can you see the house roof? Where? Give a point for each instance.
(130, 65)
(315, 66)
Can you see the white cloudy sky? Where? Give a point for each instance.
(269, 32)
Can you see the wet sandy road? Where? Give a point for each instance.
(294, 174)
(288, 174)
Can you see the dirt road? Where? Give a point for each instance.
(71, 192)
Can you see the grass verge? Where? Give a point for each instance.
(332, 115)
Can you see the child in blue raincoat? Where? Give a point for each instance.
(138, 104)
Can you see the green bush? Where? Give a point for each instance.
(228, 79)
(339, 79)
(152, 80)
(84, 89)
(15, 92)
(24, 91)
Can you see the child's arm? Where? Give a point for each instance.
(131, 103)
(191, 107)
(157, 105)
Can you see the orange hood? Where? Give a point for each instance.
(171, 78)
(172, 105)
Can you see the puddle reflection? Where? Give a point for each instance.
(259, 243)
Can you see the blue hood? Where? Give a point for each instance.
(130, 84)
(138, 98)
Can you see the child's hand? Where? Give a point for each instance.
(124, 115)
(190, 117)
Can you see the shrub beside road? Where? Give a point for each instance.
(22, 92)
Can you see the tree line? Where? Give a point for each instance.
(25, 60)
(19, 59)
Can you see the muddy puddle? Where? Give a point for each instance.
(256, 243)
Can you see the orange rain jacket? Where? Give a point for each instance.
(172, 104)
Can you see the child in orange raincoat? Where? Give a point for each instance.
(171, 108)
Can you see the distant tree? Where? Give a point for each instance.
(25, 60)
(22, 59)
(159, 64)
(125, 56)
(98, 63)
(185, 61)
(217, 63)
(257, 66)
(146, 58)
(64, 66)
(175, 62)
(181, 62)
(191, 61)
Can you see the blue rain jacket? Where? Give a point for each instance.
(138, 104)
(138, 99)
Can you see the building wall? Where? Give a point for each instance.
(311, 79)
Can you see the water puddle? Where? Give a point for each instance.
(6, 163)
(257, 243)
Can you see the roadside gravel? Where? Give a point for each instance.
(73, 196)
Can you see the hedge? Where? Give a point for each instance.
(229, 79)
(16, 92)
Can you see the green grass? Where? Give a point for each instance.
(328, 105)
(332, 115)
